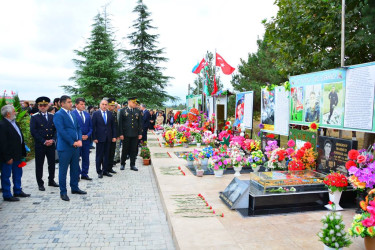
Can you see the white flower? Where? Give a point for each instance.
(327, 239)
(336, 245)
(331, 217)
(338, 217)
(338, 234)
(339, 214)
(320, 235)
(333, 238)
(331, 231)
(337, 227)
(342, 232)
(325, 226)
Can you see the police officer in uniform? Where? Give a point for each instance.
(130, 131)
(112, 105)
(43, 130)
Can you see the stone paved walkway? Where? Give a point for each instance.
(122, 212)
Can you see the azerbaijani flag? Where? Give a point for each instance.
(197, 68)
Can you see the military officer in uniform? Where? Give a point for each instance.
(112, 105)
(43, 130)
(130, 131)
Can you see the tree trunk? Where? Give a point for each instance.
(369, 139)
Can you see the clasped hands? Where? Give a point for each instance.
(77, 144)
(49, 142)
(122, 137)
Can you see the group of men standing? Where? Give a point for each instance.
(71, 133)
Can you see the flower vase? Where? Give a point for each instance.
(200, 172)
(369, 243)
(330, 248)
(256, 169)
(237, 170)
(198, 145)
(219, 172)
(190, 163)
(334, 197)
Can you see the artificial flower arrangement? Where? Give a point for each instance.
(300, 159)
(361, 168)
(197, 136)
(237, 141)
(240, 161)
(250, 145)
(363, 224)
(336, 182)
(189, 156)
(158, 127)
(221, 161)
(209, 138)
(170, 137)
(333, 233)
(276, 156)
(207, 152)
(256, 159)
(193, 115)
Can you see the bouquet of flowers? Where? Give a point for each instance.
(239, 161)
(336, 182)
(207, 152)
(170, 137)
(209, 138)
(256, 158)
(271, 146)
(225, 134)
(158, 127)
(237, 141)
(197, 136)
(361, 168)
(221, 161)
(251, 145)
(363, 224)
(303, 158)
(333, 233)
(189, 156)
(276, 156)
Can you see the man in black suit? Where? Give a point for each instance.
(43, 130)
(112, 105)
(12, 151)
(103, 133)
(146, 122)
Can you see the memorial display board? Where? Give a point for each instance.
(193, 101)
(338, 98)
(244, 109)
(302, 136)
(274, 103)
(333, 154)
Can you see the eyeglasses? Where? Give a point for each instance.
(43, 105)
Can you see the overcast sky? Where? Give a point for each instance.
(38, 37)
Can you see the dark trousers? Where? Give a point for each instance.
(111, 158)
(102, 154)
(85, 155)
(16, 173)
(144, 134)
(129, 147)
(42, 151)
(331, 108)
(69, 157)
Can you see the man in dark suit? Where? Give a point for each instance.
(103, 133)
(69, 141)
(130, 131)
(12, 150)
(85, 123)
(146, 122)
(112, 105)
(44, 132)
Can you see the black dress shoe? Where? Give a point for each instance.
(11, 199)
(92, 147)
(64, 197)
(41, 188)
(86, 178)
(22, 194)
(100, 176)
(107, 174)
(79, 191)
(133, 168)
(112, 171)
(122, 167)
(53, 184)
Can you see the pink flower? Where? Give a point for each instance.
(289, 151)
(239, 158)
(220, 163)
(225, 162)
(361, 158)
(291, 143)
(369, 222)
(216, 167)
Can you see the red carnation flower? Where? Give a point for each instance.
(226, 127)
(307, 145)
(227, 123)
(350, 164)
(272, 136)
(313, 126)
(353, 154)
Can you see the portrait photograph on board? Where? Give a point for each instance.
(296, 104)
(333, 103)
(312, 103)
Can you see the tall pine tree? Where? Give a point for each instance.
(145, 79)
(99, 69)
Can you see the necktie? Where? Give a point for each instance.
(104, 117)
(46, 117)
(83, 120)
